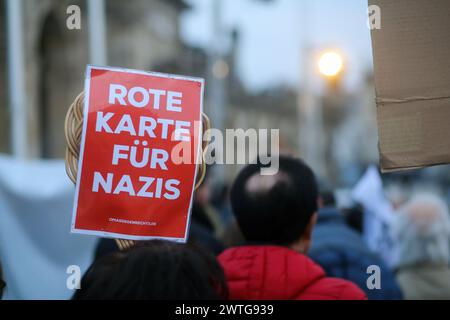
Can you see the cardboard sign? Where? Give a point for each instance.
(137, 166)
(412, 76)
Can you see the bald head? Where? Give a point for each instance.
(259, 184)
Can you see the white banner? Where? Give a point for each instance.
(37, 249)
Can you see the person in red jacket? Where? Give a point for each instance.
(276, 215)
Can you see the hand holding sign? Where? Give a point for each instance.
(132, 188)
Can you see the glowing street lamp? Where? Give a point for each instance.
(330, 64)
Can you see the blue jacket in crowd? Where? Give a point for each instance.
(342, 253)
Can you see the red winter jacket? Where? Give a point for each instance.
(278, 273)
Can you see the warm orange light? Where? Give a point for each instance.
(331, 64)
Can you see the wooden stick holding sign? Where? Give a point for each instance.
(111, 96)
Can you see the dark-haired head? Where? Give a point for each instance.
(154, 270)
(278, 209)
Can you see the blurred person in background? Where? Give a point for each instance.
(207, 225)
(233, 236)
(354, 218)
(276, 215)
(154, 270)
(202, 237)
(342, 253)
(204, 213)
(421, 231)
(220, 200)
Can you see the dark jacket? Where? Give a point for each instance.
(343, 254)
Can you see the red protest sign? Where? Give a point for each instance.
(136, 171)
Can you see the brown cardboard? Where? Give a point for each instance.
(412, 78)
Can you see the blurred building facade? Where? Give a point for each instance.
(145, 35)
(138, 36)
(273, 108)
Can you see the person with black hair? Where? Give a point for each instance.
(154, 270)
(276, 215)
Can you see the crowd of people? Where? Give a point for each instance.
(282, 237)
